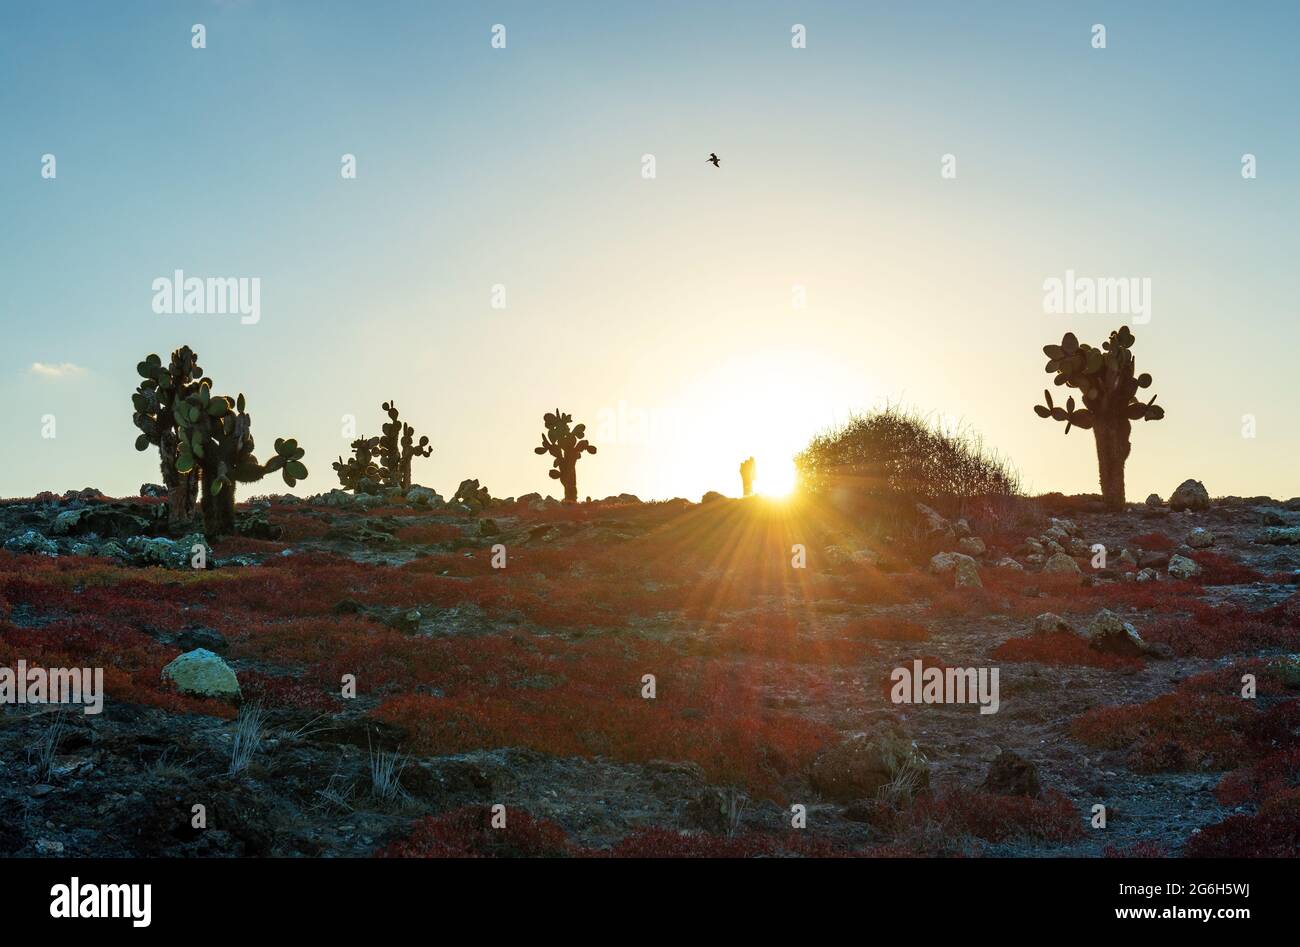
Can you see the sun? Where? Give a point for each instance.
(774, 475)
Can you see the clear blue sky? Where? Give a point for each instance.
(672, 296)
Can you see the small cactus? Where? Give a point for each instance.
(747, 476)
(566, 446)
(359, 473)
(1108, 385)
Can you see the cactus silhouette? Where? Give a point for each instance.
(359, 473)
(566, 447)
(1108, 386)
(154, 400)
(747, 476)
(216, 441)
(397, 447)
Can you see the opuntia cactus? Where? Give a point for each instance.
(747, 476)
(397, 447)
(216, 441)
(1105, 377)
(154, 399)
(566, 446)
(359, 473)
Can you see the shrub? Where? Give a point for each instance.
(889, 460)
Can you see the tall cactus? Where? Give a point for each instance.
(216, 441)
(566, 447)
(397, 447)
(1106, 379)
(747, 476)
(154, 400)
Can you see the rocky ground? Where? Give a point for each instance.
(500, 651)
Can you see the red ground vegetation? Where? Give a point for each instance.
(1203, 724)
(1061, 648)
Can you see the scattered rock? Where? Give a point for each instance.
(968, 574)
(1147, 575)
(1180, 567)
(932, 525)
(1109, 633)
(1049, 622)
(1154, 500)
(488, 527)
(944, 562)
(1190, 495)
(1128, 558)
(204, 674)
(46, 847)
(152, 490)
(1200, 538)
(31, 541)
(1061, 564)
(1010, 774)
(1006, 562)
(972, 546)
(168, 553)
(1280, 536)
(424, 496)
(712, 497)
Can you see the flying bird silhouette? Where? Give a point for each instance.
(714, 159)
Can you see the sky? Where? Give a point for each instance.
(692, 318)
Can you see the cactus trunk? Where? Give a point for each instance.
(218, 508)
(569, 479)
(182, 489)
(1112, 436)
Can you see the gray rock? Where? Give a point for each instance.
(1109, 633)
(1154, 500)
(1190, 495)
(1006, 562)
(1049, 622)
(168, 553)
(944, 562)
(967, 574)
(1180, 567)
(30, 541)
(931, 525)
(204, 674)
(1200, 538)
(972, 546)
(1061, 564)
(1280, 536)
(152, 490)
(424, 496)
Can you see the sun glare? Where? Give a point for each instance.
(774, 475)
